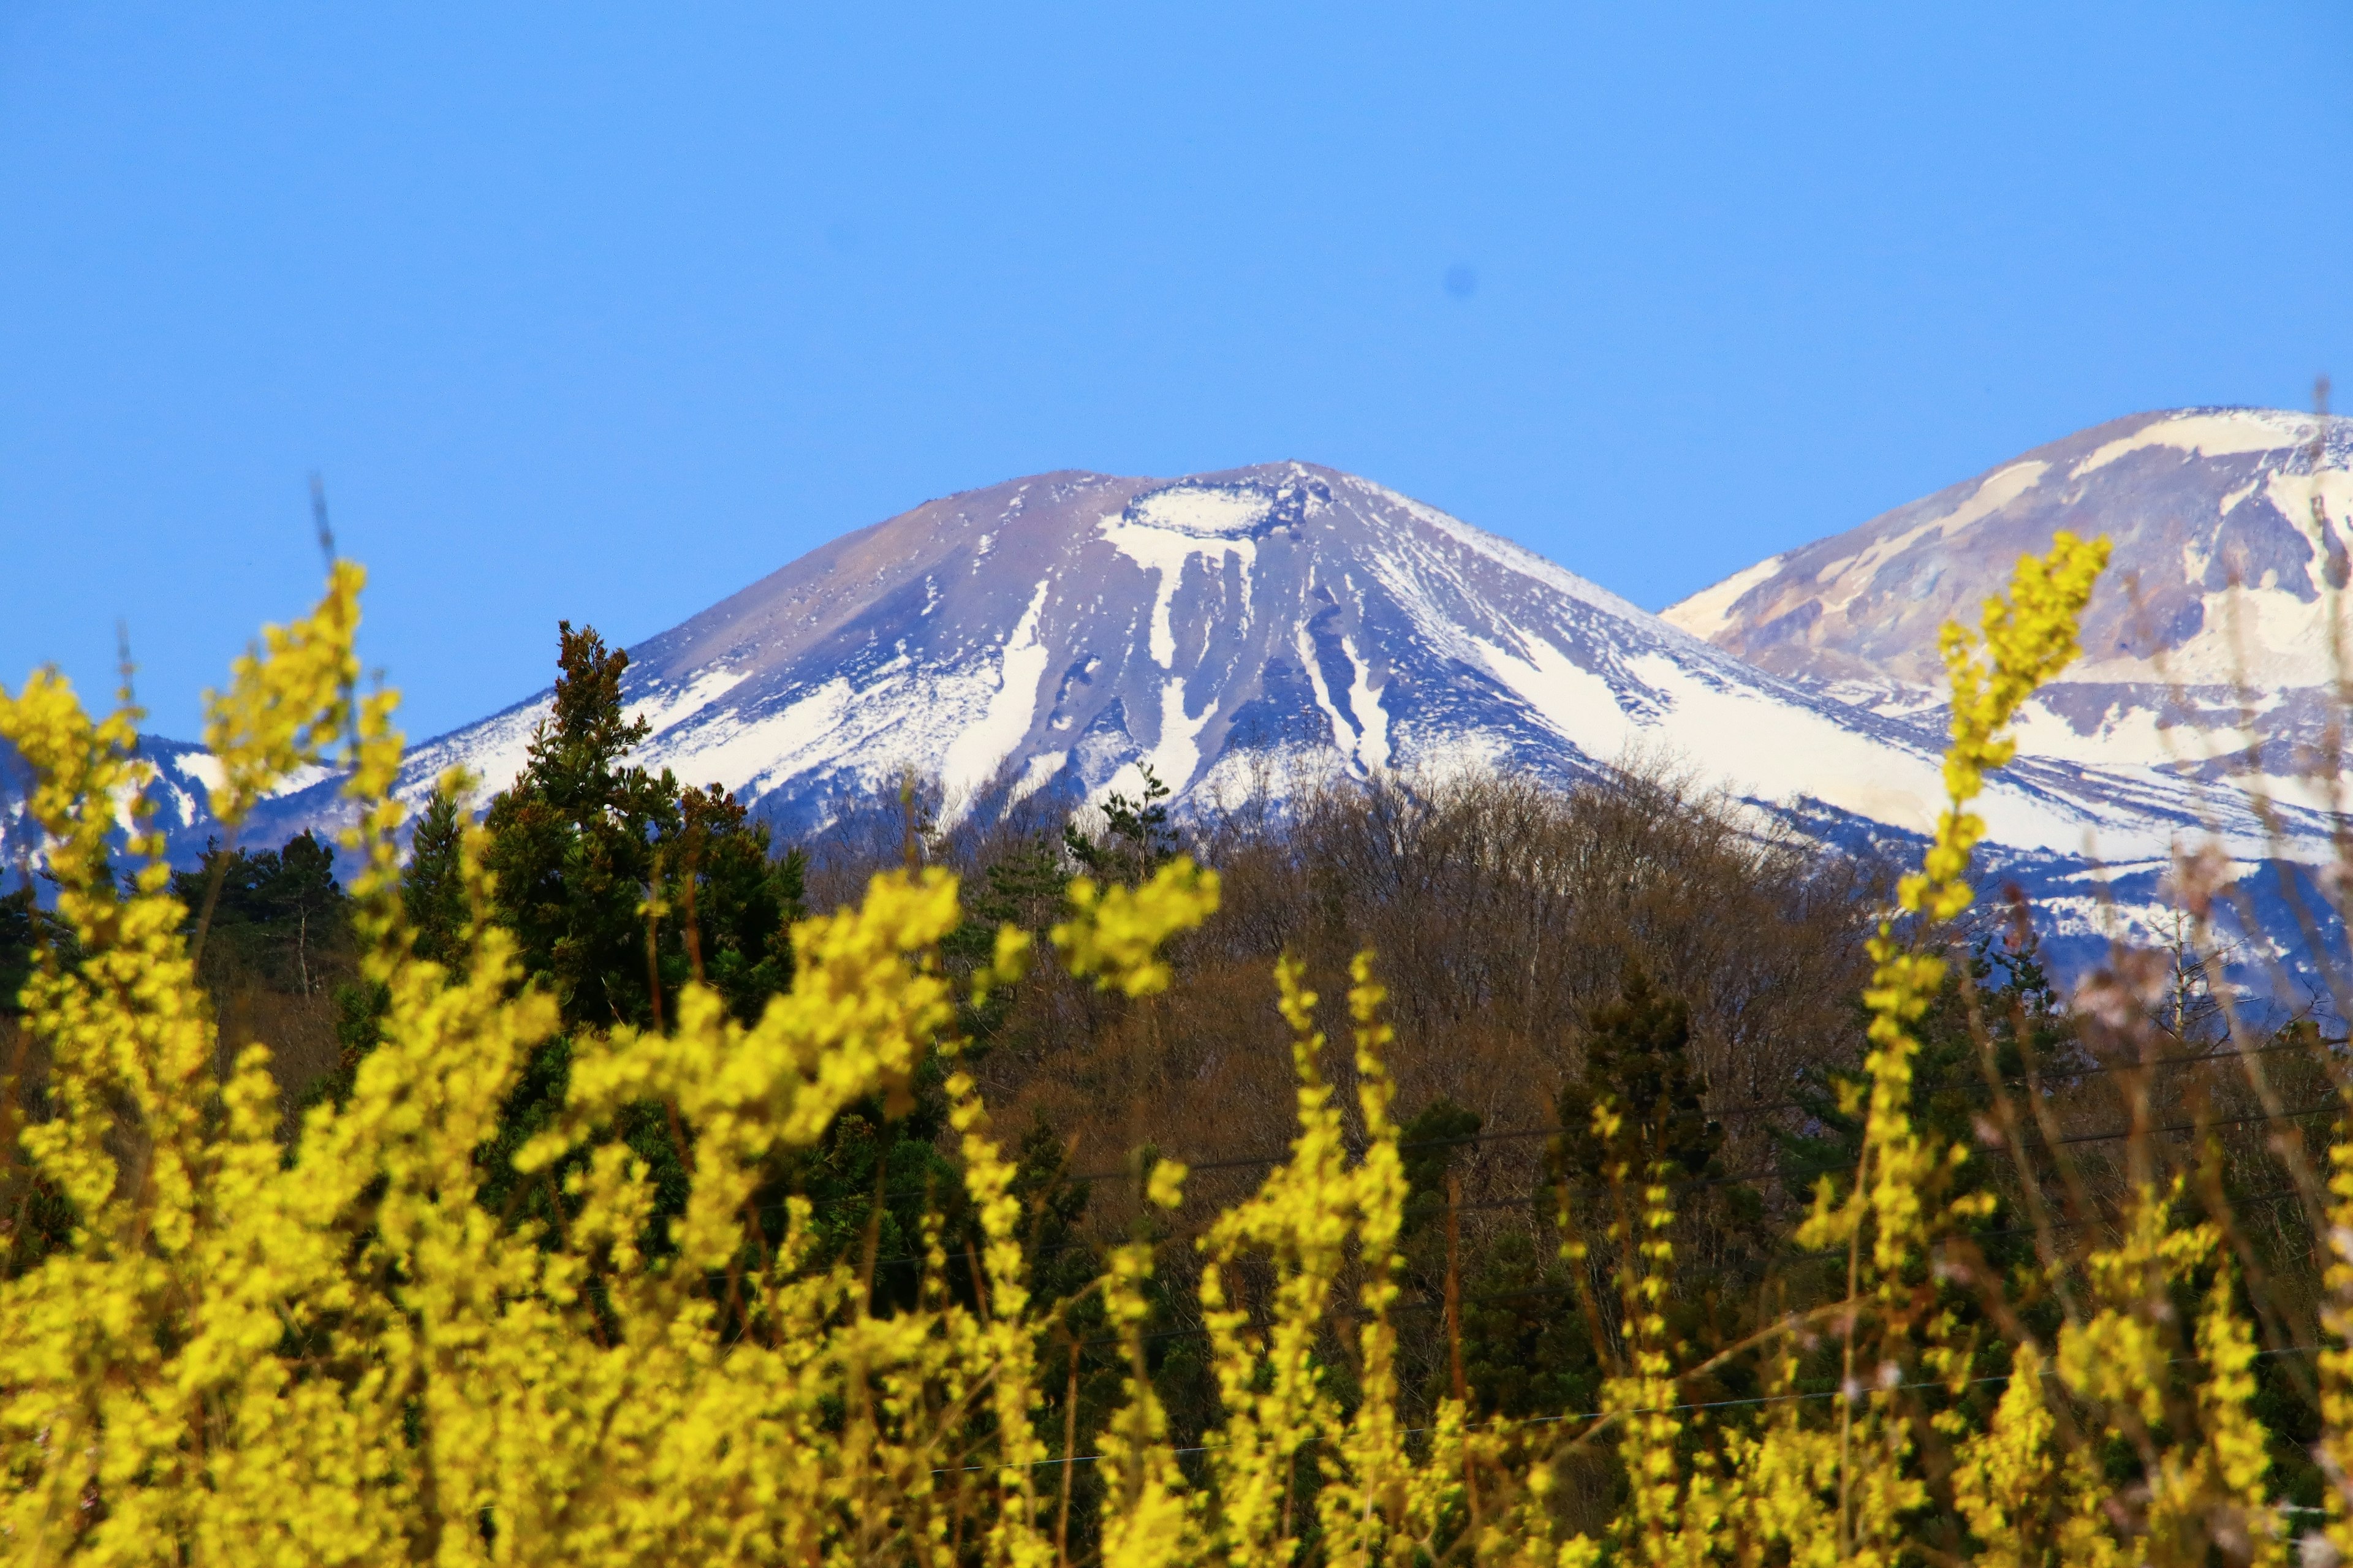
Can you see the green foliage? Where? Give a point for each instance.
(278, 915)
(24, 929)
(1023, 885)
(1523, 1346)
(1137, 836)
(1637, 1062)
(735, 901)
(574, 845)
(2023, 1021)
(1428, 1146)
(432, 888)
(617, 884)
(1527, 1349)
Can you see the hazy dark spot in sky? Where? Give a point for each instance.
(1461, 279)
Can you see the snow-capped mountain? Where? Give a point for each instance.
(2218, 615)
(1244, 629)
(1065, 631)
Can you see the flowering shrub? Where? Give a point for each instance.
(316, 1345)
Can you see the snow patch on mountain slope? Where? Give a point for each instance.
(203, 767)
(1708, 611)
(1344, 734)
(1037, 774)
(663, 708)
(981, 747)
(1504, 552)
(2259, 636)
(493, 750)
(2209, 434)
(740, 751)
(1175, 755)
(2124, 735)
(1850, 575)
(1160, 546)
(2297, 496)
(1578, 704)
(1373, 737)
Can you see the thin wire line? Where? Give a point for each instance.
(1774, 1174)
(2040, 1079)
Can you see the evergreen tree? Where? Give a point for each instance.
(280, 917)
(735, 901)
(433, 897)
(1137, 836)
(1637, 1061)
(617, 884)
(432, 890)
(573, 843)
(21, 924)
(1515, 1329)
(307, 904)
(618, 887)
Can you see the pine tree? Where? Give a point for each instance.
(280, 917)
(308, 905)
(20, 937)
(432, 890)
(620, 886)
(1637, 1059)
(734, 902)
(574, 844)
(1511, 1327)
(1137, 836)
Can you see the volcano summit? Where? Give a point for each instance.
(1064, 632)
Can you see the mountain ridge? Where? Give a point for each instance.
(2229, 528)
(1063, 631)
(1278, 609)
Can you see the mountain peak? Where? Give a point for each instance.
(1073, 627)
(1234, 631)
(2230, 529)
(1255, 628)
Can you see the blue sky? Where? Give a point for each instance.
(605, 312)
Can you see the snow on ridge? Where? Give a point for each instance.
(1709, 610)
(2209, 433)
(1518, 558)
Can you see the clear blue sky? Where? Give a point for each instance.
(605, 312)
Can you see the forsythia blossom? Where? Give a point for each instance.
(320, 1348)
